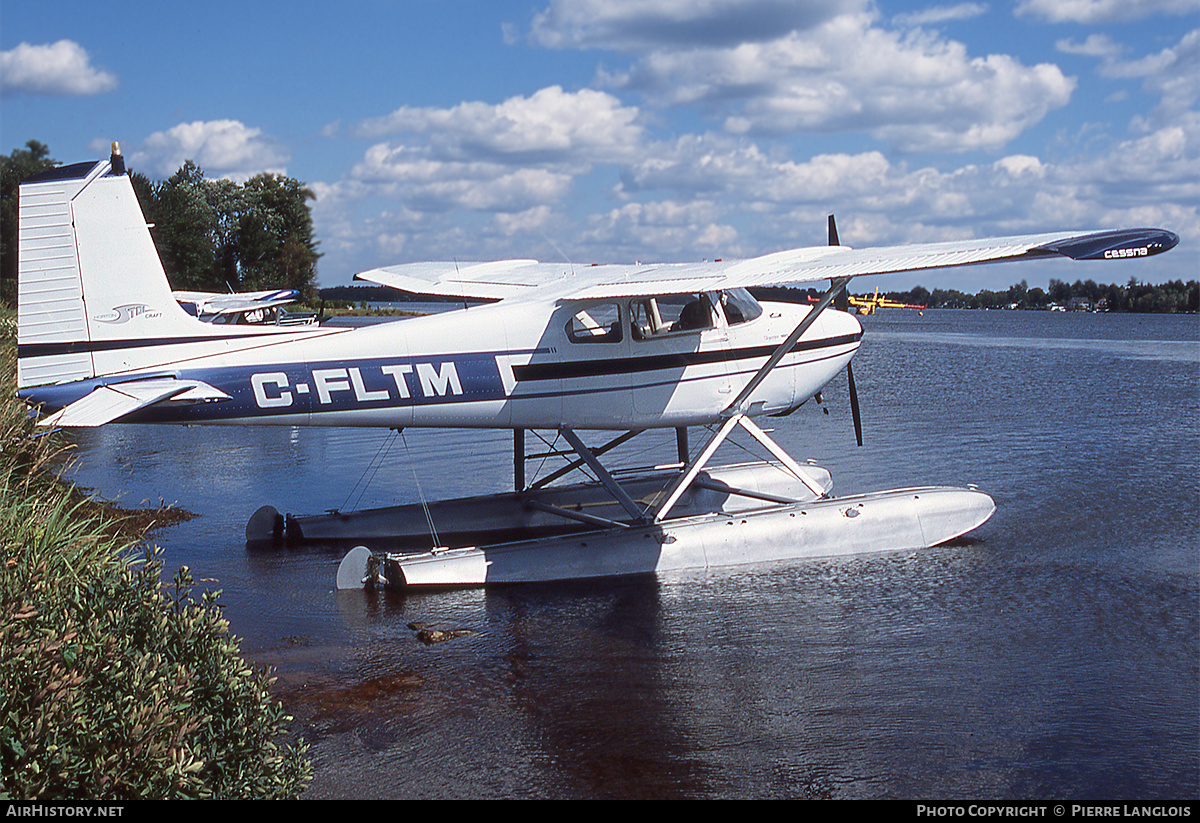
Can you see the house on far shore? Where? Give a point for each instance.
(1079, 304)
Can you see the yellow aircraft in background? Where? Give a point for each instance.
(869, 303)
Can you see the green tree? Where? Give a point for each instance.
(184, 221)
(1016, 293)
(115, 684)
(216, 235)
(21, 163)
(1114, 299)
(275, 239)
(1059, 292)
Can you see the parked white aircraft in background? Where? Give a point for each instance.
(102, 339)
(254, 308)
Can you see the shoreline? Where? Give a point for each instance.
(81, 583)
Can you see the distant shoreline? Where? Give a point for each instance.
(1175, 297)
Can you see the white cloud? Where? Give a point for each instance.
(1157, 167)
(551, 125)
(1021, 165)
(474, 175)
(740, 171)
(1171, 73)
(418, 178)
(530, 220)
(222, 148)
(1096, 45)
(716, 194)
(625, 25)
(916, 90)
(480, 180)
(1103, 11)
(511, 164)
(940, 14)
(767, 197)
(673, 229)
(62, 68)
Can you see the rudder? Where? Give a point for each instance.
(89, 276)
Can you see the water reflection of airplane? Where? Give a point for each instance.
(623, 348)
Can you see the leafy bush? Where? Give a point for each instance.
(112, 685)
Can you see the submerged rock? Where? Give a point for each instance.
(431, 636)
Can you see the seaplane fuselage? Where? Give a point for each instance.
(519, 364)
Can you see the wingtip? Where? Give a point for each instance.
(1115, 245)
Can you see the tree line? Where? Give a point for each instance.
(211, 234)
(1174, 297)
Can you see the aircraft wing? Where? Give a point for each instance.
(507, 278)
(823, 263)
(472, 281)
(108, 403)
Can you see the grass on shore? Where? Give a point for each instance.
(113, 684)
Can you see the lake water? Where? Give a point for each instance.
(1054, 655)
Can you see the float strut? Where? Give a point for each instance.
(614, 488)
(681, 444)
(519, 459)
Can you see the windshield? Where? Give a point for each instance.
(739, 306)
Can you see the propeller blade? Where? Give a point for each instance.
(854, 405)
(842, 301)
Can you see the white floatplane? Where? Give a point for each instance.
(560, 349)
(245, 308)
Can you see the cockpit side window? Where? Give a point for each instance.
(600, 323)
(670, 314)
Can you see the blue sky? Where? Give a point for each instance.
(620, 130)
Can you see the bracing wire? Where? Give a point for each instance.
(368, 475)
(550, 446)
(424, 504)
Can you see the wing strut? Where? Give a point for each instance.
(738, 408)
(685, 478)
(519, 459)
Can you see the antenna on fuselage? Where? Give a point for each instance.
(563, 254)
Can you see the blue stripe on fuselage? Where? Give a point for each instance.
(304, 388)
(334, 386)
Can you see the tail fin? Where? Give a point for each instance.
(90, 280)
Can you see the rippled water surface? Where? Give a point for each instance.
(1053, 655)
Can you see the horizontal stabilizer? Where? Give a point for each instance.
(108, 403)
